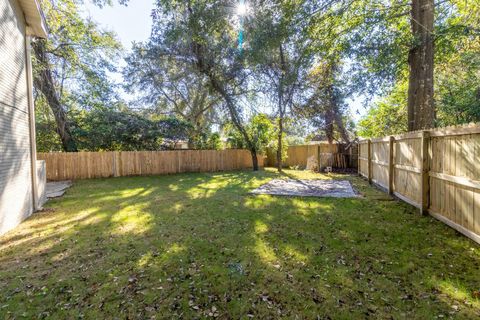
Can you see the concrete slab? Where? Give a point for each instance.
(308, 188)
(57, 189)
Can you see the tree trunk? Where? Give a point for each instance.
(280, 146)
(204, 65)
(333, 114)
(330, 112)
(281, 108)
(421, 109)
(235, 118)
(43, 81)
(341, 128)
(253, 152)
(329, 120)
(337, 115)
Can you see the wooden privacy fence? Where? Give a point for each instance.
(437, 171)
(323, 154)
(86, 165)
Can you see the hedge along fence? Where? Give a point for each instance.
(86, 165)
(332, 155)
(437, 171)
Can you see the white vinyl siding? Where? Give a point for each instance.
(15, 164)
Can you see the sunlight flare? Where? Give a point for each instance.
(242, 8)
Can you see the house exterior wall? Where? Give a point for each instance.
(16, 201)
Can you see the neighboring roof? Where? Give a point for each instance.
(319, 137)
(34, 18)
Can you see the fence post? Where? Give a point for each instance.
(114, 164)
(118, 163)
(369, 157)
(391, 164)
(319, 159)
(425, 169)
(359, 154)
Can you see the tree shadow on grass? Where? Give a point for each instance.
(198, 245)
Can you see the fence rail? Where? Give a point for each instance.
(319, 155)
(437, 171)
(86, 165)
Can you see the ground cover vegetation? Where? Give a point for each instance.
(198, 245)
(212, 66)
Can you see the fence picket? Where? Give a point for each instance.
(435, 170)
(86, 165)
(324, 154)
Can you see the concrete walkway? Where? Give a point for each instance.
(308, 188)
(57, 189)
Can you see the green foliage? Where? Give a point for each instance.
(234, 138)
(278, 52)
(458, 85)
(325, 108)
(457, 94)
(103, 130)
(167, 86)
(46, 128)
(108, 130)
(260, 130)
(388, 116)
(114, 130)
(193, 69)
(375, 38)
(205, 141)
(214, 142)
(202, 34)
(70, 70)
(80, 54)
(46, 135)
(294, 140)
(457, 69)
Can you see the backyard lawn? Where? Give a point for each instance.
(199, 246)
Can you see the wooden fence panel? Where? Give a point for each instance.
(455, 179)
(298, 155)
(87, 165)
(407, 170)
(84, 165)
(437, 171)
(380, 154)
(353, 154)
(363, 158)
(323, 153)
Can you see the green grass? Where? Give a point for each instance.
(198, 245)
